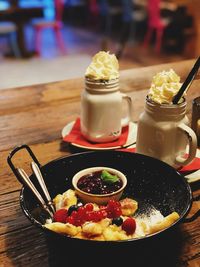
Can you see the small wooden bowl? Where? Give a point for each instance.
(100, 199)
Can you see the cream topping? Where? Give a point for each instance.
(104, 66)
(164, 87)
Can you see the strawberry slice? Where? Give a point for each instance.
(60, 216)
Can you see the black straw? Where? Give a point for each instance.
(187, 82)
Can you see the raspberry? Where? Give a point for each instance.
(114, 209)
(60, 216)
(113, 204)
(117, 212)
(129, 226)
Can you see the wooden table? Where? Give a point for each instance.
(35, 115)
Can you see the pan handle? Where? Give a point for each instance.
(13, 152)
(194, 216)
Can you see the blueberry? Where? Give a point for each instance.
(72, 208)
(79, 204)
(118, 221)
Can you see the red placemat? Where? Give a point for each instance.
(75, 137)
(193, 166)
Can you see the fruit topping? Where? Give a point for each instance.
(113, 209)
(108, 177)
(99, 182)
(78, 215)
(117, 221)
(60, 216)
(129, 225)
(72, 208)
(129, 206)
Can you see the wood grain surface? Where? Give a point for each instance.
(35, 116)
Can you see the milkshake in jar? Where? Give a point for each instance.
(163, 130)
(102, 102)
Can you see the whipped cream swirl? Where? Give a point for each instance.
(164, 87)
(104, 66)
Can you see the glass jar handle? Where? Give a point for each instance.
(192, 142)
(125, 121)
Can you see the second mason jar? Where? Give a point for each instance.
(102, 110)
(163, 133)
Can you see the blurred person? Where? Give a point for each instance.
(175, 37)
(105, 22)
(14, 3)
(108, 8)
(127, 25)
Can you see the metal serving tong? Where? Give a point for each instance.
(23, 177)
(40, 179)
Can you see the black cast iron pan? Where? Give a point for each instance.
(151, 182)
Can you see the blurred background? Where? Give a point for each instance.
(51, 40)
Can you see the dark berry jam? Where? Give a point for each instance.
(92, 183)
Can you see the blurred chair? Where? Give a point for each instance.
(56, 24)
(154, 23)
(9, 29)
(93, 7)
(93, 13)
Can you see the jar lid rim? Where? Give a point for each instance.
(182, 103)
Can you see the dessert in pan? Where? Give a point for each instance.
(117, 220)
(94, 210)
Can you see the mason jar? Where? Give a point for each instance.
(163, 133)
(102, 116)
